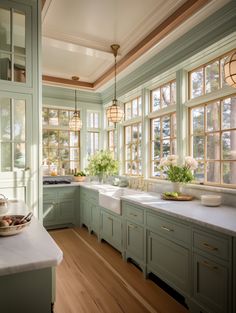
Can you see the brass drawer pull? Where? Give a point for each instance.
(133, 214)
(166, 228)
(209, 247)
(132, 226)
(213, 267)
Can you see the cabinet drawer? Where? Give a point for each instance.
(133, 213)
(168, 228)
(212, 244)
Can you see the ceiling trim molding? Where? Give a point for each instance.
(51, 80)
(174, 20)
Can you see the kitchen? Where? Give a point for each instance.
(168, 90)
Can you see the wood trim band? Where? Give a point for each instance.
(174, 20)
(66, 82)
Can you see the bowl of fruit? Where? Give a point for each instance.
(14, 224)
(79, 176)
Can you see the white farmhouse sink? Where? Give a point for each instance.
(111, 200)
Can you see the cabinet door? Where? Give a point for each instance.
(171, 262)
(85, 213)
(211, 284)
(66, 210)
(50, 212)
(135, 241)
(111, 229)
(95, 218)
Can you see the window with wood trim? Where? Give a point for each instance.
(61, 146)
(111, 140)
(163, 96)
(207, 78)
(213, 141)
(93, 133)
(133, 160)
(163, 141)
(133, 108)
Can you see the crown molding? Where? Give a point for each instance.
(183, 13)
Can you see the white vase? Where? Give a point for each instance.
(176, 187)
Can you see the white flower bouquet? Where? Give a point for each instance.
(179, 173)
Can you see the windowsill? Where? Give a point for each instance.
(195, 186)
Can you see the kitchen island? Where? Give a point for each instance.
(27, 264)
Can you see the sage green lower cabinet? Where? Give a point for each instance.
(134, 234)
(89, 210)
(169, 251)
(111, 229)
(60, 206)
(196, 261)
(28, 292)
(212, 268)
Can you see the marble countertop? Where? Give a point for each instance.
(30, 250)
(222, 218)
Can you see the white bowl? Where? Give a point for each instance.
(15, 229)
(211, 200)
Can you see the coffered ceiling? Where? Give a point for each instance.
(77, 34)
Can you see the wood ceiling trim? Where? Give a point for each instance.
(177, 18)
(173, 21)
(66, 82)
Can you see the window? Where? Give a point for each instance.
(133, 137)
(133, 108)
(163, 96)
(61, 146)
(93, 133)
(111, 140)
(12, 45)
(207, 78)
(12, 134)
(163, 141)
(213, 141)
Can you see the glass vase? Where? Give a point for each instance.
(101, 178)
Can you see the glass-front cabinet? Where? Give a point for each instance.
(15, 34)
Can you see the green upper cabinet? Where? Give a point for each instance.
(15, 43)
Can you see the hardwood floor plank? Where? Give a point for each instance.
(93, 278)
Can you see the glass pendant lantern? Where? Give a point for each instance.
(75, 122)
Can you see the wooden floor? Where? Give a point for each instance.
(93, 278)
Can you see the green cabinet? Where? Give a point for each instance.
(212, 271)
(134, 235)
(60, 206)
(111, 229)
(169, 240)
(89, 210)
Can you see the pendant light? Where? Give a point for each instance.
(230, 70)
(114, 112)
(75, 123)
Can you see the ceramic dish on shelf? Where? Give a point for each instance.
(211, 200)
(13, 224)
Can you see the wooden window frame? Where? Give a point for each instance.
(136, 143)
(205, 133)
(172, 138)
(139, 112)
(203, 67)
(160, 87)
(58, 129)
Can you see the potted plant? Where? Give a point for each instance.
(79, 176)
(102, 164)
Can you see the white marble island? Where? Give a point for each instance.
(27, 263)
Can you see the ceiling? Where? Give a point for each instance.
(77, 34)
